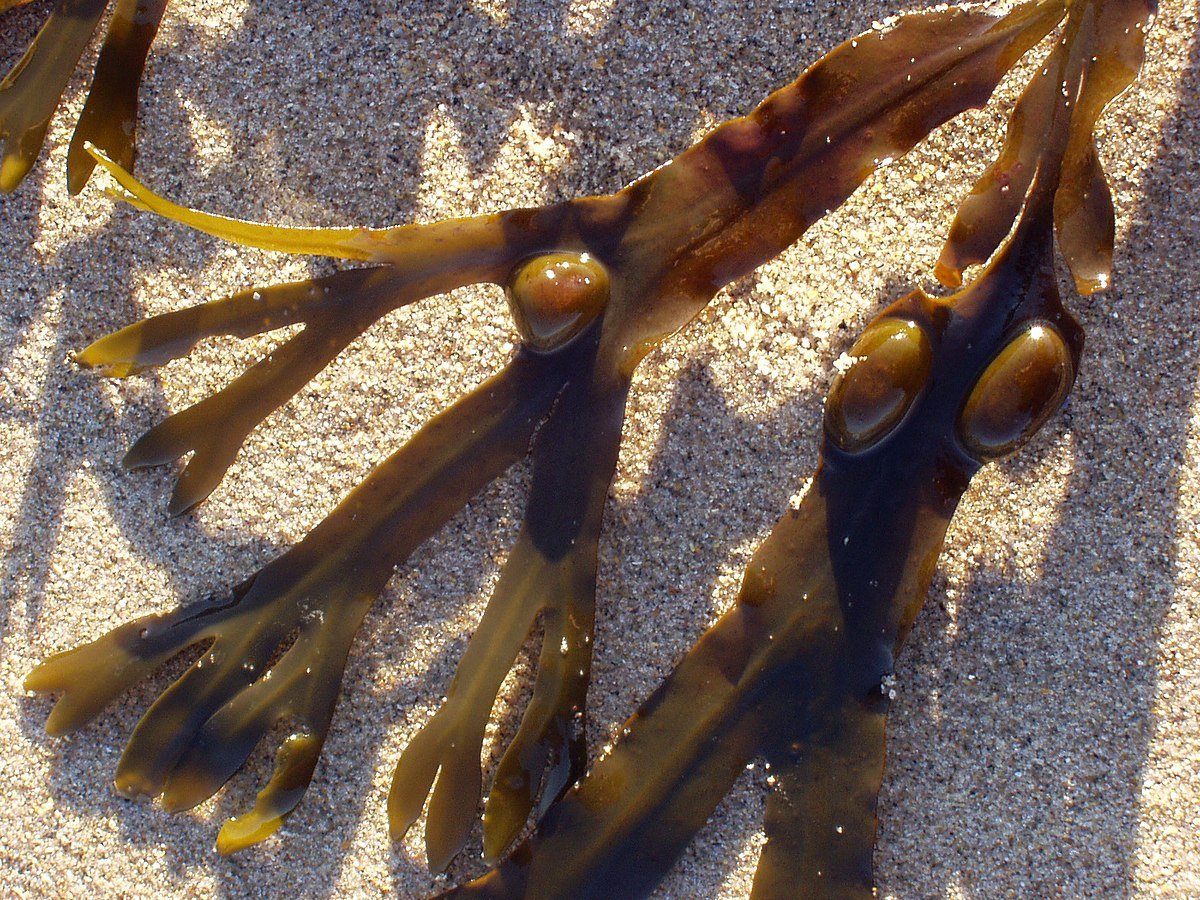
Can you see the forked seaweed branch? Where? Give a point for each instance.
(794, 670)
(798, 670)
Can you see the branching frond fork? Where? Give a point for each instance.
(593, 284)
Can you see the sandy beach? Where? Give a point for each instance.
(1045, 740)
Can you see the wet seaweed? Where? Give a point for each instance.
(31, 91)
(799, 670)
(593, 285)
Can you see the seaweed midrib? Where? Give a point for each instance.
(841, 129)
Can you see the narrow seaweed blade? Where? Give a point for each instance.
(31, 92)
(1106, 43)
(550, 573)
(109, 117)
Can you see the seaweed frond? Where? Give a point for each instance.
(30, 93)
(1108, 58)
(204, 726)
(551, 572)
(799, 669)
(593, 284)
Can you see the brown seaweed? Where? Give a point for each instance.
(31, 91)
(1083, 211)
(799, 669)
(624, 272)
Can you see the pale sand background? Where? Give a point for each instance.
(1046, 739)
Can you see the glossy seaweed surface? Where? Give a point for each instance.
(799, 669)
(30, 93)
(594, 284)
